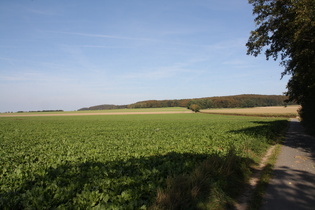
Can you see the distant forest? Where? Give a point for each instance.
(104, 106)
(237, 101)
(58, 110)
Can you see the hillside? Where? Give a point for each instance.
(236, 101)
(104, 107)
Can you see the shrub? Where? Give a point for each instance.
(194, 107)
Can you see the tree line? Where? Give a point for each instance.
(104, 107)
(58, 110)
(237, 101)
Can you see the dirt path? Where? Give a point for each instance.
(92, 113)
(293, 182)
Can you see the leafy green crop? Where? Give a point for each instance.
(114, 162)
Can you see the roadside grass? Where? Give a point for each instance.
(266, 174)
(256, 199)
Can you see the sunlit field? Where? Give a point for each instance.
(127, 161)
(271, 111)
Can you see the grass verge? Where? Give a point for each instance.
(266, 174)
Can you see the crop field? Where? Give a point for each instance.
(102, 112)
(271, 111)
(124, 161)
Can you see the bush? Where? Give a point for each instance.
(194, 107)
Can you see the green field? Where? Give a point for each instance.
(121, 162)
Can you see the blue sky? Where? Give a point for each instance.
(79, 53)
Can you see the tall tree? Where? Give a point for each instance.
(286, 30)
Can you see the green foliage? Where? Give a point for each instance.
(240, 101)
(104, 107)
(221, 177)
(194, 107)
(287, 29)
(115, 162)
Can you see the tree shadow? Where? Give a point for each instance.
(293, 182)
(297, 138)
(267, 129)
(120, 184)
(290, 189)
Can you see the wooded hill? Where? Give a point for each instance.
(104, 106)
(236, 101)
(216, 102)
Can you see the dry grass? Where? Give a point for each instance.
(271, 111)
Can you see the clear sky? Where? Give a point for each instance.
(79, 53)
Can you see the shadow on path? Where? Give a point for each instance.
(297, 138)
(290, 189)
(293, 182)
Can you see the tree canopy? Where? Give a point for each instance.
(249, 100)
(286, 30)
